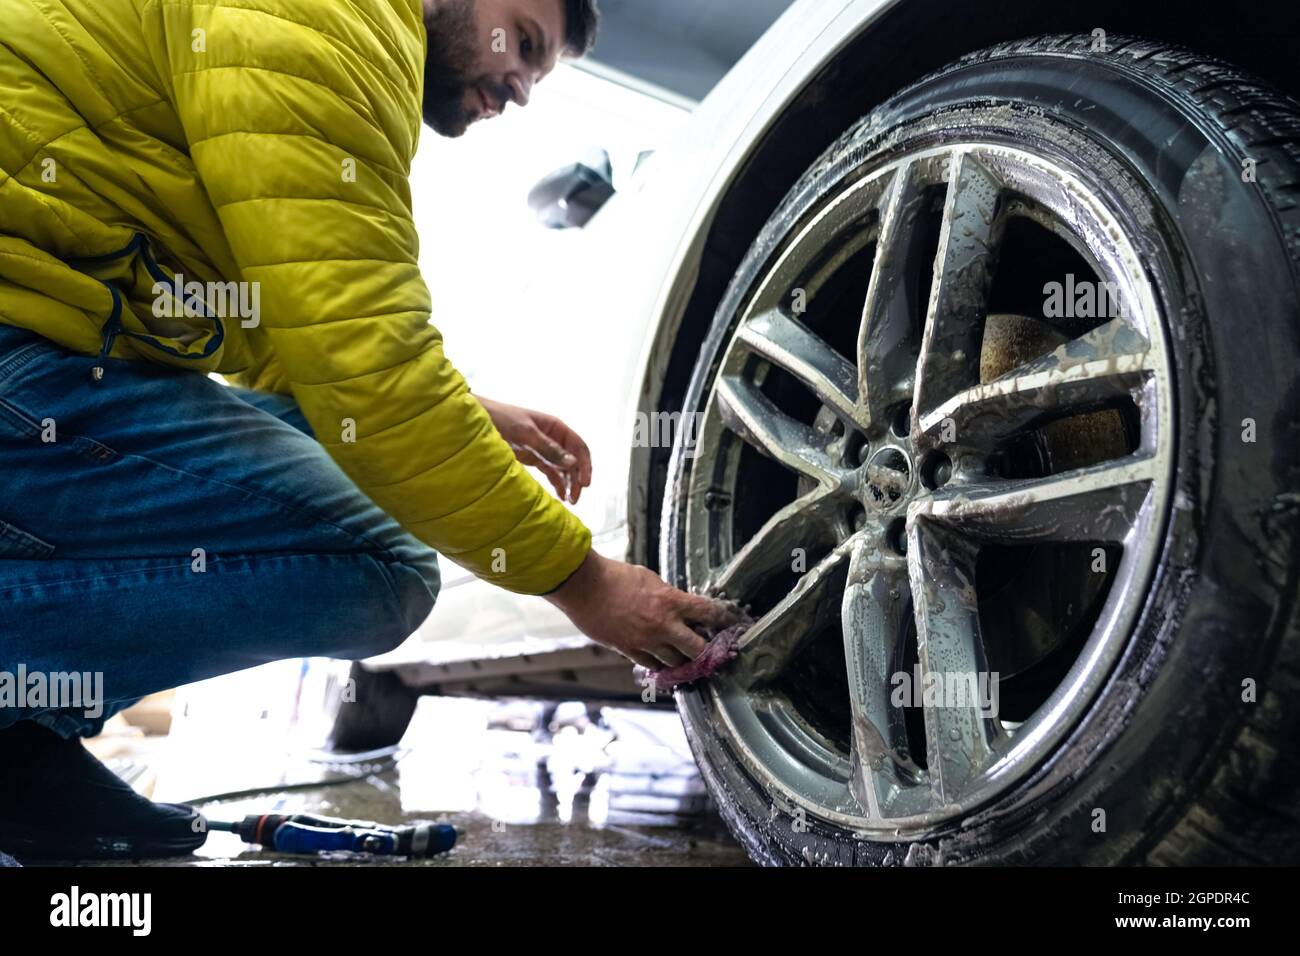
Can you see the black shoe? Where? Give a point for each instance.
(57, 802)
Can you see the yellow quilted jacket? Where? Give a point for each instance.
(265, 142)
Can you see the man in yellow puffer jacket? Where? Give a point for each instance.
(222, 186)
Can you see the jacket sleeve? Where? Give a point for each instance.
(301, 119)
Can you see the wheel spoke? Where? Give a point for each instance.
(961, 734)
(788, 344)
(873, 619)
(753, 416)
(1108, 362)
(843, 214)
(803, 522)
(1100, 503)
(963, 276)
(769, 646)
(887, 348)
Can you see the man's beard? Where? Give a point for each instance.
(453, 51)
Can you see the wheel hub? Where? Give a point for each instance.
(887, 480)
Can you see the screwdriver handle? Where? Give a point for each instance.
(306, 833)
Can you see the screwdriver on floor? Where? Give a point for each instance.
(305, 833)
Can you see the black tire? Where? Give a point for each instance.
(1185, 769)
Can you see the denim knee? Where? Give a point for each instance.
(415, 581)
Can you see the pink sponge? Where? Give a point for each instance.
(724, 646)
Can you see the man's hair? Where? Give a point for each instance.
(581, 21)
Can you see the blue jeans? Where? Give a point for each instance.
(158, 528)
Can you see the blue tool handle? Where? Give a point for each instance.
(291, 837)
(436, 838)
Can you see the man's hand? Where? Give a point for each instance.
(545, 443)
(629, 609)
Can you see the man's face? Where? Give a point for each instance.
(484, 54)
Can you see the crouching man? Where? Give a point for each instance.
(158, 527)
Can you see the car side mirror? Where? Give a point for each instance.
(569, 197)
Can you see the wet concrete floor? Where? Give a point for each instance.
(593, 787)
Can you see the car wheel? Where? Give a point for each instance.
(997, 438)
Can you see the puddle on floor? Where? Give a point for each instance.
(522, 783)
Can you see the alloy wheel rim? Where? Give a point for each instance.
(898, 498)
